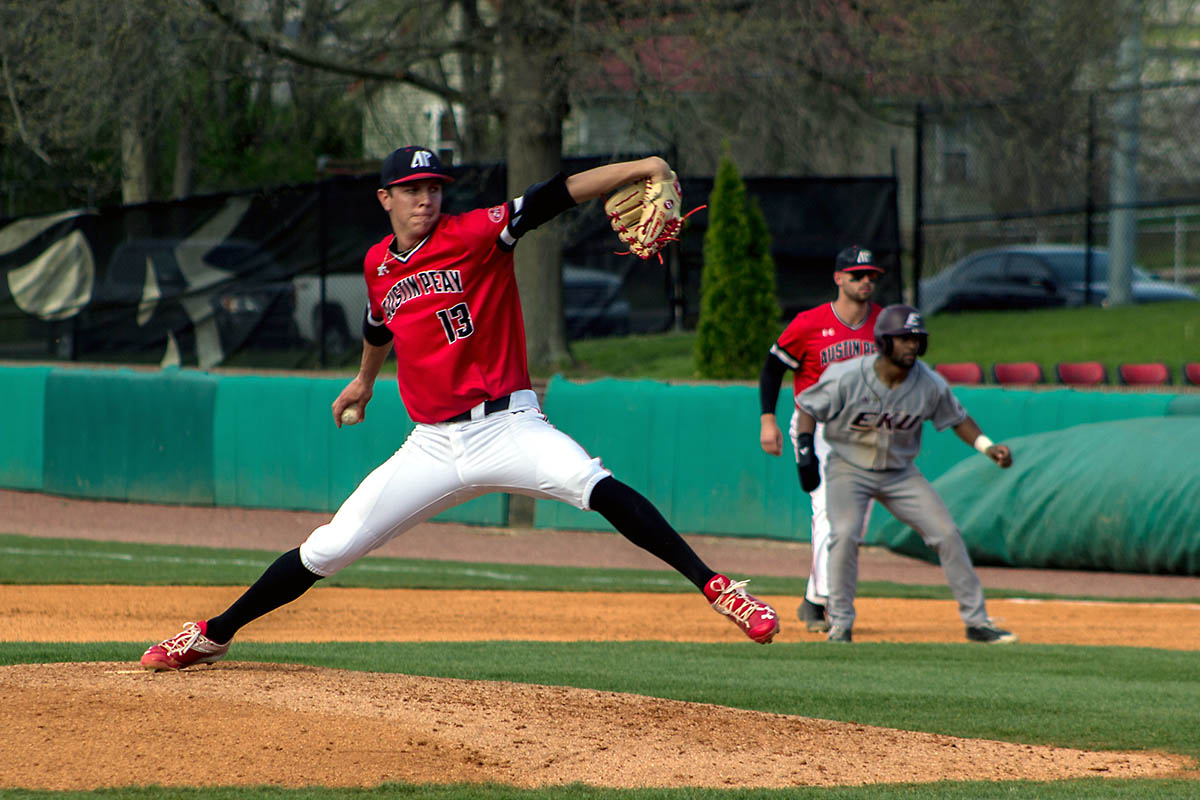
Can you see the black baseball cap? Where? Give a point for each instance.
(855, 258)
(412, 163)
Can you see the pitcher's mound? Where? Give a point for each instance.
(91, 725)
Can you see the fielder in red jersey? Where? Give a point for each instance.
(818, 337)
(831, 332)
(442, 291)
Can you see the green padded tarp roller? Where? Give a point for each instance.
(1121, 496)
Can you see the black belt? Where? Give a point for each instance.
(490, 407)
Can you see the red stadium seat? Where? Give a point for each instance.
(1152, 374)
(1191, 372)
(960, 372)
(1017, 372)
(1081, 373)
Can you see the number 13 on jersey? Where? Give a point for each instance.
(456, 322)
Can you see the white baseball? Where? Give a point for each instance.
(349, 415)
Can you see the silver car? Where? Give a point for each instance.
(1035, 276)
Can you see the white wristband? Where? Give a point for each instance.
(982, 443)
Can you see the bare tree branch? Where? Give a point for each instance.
(278, 47)
(26, 137)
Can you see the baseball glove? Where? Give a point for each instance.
(646, 214)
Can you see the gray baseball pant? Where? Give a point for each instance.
(912, 500)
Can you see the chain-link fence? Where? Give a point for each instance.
(1117, 170)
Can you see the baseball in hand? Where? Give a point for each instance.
(349, 415)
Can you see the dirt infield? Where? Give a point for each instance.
(82, 726)
(330, 614)
(78, 726)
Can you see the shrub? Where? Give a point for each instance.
(739, 311)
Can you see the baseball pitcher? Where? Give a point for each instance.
(443, 294)
(873, 408)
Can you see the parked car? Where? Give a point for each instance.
(593, 305)
(1035, 276)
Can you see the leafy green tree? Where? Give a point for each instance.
(739, 312)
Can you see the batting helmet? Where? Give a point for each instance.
(899, 320)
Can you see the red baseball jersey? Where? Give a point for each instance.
(818, 337)
(452, 306)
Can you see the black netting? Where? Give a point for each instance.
(273, 278)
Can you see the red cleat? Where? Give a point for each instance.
(189, 646)
(756, 619)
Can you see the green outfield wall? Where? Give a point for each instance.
(258, 441)
(192, 438)
(22, 456)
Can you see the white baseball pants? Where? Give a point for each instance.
(445, 464)
(817, 589)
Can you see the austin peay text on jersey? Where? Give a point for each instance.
(847, 348)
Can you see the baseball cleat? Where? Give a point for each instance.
(189, 646)
(813, 616)
(988, 633)
(756, 619)
(839, 634)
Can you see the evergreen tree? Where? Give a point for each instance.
(739, 311)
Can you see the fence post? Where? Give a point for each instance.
(323, 259)
(918, 200)
(1089, 214)
(1123, 182)
(1180, 240)
(674, 262)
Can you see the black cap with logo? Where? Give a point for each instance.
(855, 258)
(412, 163)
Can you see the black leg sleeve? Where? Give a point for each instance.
(640, 522)
(283, 582)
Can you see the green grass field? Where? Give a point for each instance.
(29, 560)
(1087, 697)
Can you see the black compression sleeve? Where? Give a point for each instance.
(378, 335)
(769, 382)
(541, 203)
(282, 582)
(641, 523)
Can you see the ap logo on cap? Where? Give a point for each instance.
(422, 159)
(864, 257)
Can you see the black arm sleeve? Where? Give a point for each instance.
(769, 382)
(541, 203)
(378, 335)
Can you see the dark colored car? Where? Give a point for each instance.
(593, 303)
(1035, 276)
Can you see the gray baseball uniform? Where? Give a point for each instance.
(875, 434)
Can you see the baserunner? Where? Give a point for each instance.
(874, 408)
